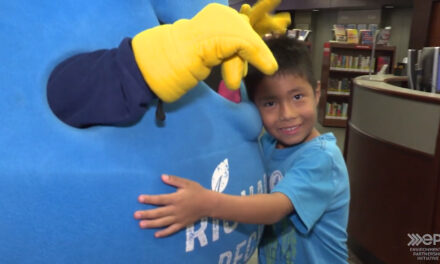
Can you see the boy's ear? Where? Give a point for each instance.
(318, 91)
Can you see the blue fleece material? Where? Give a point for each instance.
(68, 195)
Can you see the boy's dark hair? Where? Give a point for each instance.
(293, 57)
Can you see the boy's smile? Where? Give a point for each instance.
(290, 130)
(287, 105)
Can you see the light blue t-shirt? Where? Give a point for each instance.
(314, 177)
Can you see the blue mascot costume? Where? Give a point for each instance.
(67, 195)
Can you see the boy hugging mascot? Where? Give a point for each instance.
(68, 194)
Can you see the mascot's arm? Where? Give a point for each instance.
(108, 87)
(104, 87)
(174, 58)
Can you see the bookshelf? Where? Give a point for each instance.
(341, 63)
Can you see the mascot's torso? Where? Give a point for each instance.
(68, 195)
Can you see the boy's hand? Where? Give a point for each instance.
(188, 204)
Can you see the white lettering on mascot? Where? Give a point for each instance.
(244, 249)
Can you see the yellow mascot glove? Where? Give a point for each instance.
(261, 19)
(174, 58)
(262, 22)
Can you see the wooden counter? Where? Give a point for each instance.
(392, 150)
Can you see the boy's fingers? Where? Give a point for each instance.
(156, 223)
(168, 231)
(153, 213)
(174, 180)
(160, 199)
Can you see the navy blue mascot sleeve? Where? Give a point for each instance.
(68, 194)
(104, 87)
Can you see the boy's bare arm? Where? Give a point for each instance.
(191, 202)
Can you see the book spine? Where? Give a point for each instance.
(332, 60)
(344, 109)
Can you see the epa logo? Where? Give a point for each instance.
(426, 239)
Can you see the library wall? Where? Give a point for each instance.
(322, 25)
(359, 16)
(302, 19)
(400, 21)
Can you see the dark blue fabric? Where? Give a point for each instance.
(104, 87)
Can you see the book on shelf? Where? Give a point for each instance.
(340, 34)
(372, 27)
(345, 110)
(361, 27)
(350, 26)
(339, 86)
(352, 36)
(333, 85)
(357, 63)
(384, 36)
(381, 61)
(366, 37)
(336, 110)
(345, 85)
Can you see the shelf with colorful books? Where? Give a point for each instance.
(336, 113)
(341, 63)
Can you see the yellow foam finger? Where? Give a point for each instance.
(232, 72)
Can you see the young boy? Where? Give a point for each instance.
(307, 207)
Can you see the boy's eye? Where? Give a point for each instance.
(298, 96)
(269, 104)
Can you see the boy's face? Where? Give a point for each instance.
(287, 106)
